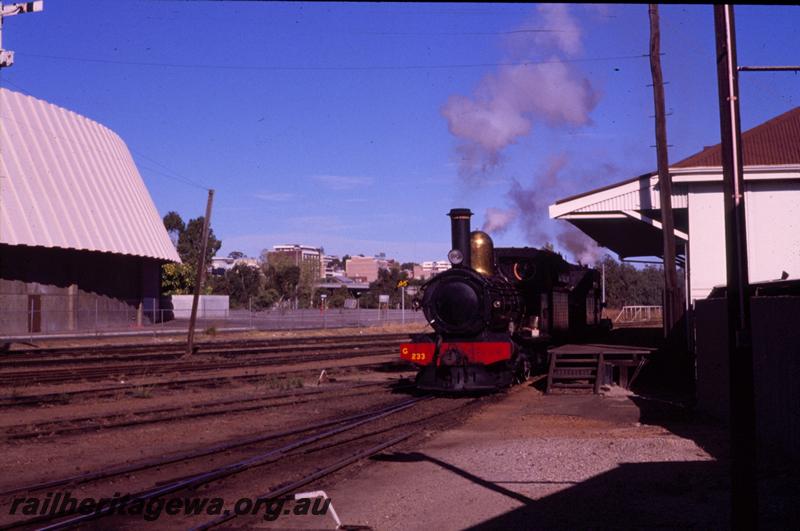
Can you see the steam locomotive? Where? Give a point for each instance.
(495, 312)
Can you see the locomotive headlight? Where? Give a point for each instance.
(455, 256)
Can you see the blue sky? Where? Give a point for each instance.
(356, 127)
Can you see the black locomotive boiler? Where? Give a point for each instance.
(495, 312)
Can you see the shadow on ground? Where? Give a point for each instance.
(646, 495)
(669, 494)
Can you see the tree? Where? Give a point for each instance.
(306, 285)
(626, 285)
(179, 278)
(191, 239)
(236, 255)
(386, 284)
(338, 296)
(335, 264)
(174, 225)
(283, 280)
(262, 259)
(267, 298)
(243, 283)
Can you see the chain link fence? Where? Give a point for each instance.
(58, 315)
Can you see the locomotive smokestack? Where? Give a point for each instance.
(460, 230)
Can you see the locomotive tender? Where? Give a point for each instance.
(495, 312)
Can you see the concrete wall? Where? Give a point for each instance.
(74, 290)
(776, 370)
(208, 306)
(773, 233)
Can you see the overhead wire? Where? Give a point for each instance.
(329, 68)
(457, 33)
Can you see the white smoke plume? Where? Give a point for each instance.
(529, 206)
(506, 103)
(498, 220)
(567, 36)
(583, 249)
(531, 202)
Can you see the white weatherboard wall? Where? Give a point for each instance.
(773, 229)
(772, 209)
(706, 239)
(208, 306)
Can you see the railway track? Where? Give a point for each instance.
(139, 351)
(302, 454)
(100, 369)
(77, 425)
(128, 389)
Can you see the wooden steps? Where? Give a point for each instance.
(590, 366)
(575, 371)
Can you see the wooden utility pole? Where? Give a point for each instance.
(671, 303)
(201, 269)
(744, 489)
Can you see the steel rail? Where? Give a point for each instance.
(57, 397)
(179, 346)
(180, 456)
(338, 465)
(253, 356)
(51, 428)
(236, 467)
(58, 375)
(285, 489)
(174, 354)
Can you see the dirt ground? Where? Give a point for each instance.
(537, 461)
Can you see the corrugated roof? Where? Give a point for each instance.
(775, 142)
(70, 182)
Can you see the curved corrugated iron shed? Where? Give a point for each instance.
(69, 182)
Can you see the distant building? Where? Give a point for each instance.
(221, 264)
(329, 270)
(413, 271)
(363, 268)
(432, 268)
(298, 255)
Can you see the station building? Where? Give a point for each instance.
(81, 242)
(626, 218)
